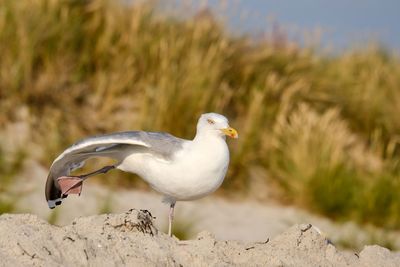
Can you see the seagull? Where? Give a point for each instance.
(179, 169)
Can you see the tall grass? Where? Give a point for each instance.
(325, 128)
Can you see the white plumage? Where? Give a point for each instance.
(179, 169)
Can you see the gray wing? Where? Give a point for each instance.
(116, 146)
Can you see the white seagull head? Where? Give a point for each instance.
(215, 124)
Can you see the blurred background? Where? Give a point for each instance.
(312, 87)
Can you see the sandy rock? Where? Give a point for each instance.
(130, 239)
(375, 255)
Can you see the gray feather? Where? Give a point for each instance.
(116, 146)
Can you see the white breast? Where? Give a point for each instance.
(195, 171)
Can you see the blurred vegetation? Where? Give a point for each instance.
(9, 167)
(324, 128)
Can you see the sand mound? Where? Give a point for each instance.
(130, 239)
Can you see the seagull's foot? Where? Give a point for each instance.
(70, 185)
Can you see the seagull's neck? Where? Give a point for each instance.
(202, 137)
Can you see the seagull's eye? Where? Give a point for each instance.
(210, 121)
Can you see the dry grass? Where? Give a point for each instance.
(325, 127)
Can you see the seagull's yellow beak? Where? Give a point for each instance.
(230, 132)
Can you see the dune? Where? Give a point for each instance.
(131, 239)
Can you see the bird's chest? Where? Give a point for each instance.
(205, 160)
(193, 174)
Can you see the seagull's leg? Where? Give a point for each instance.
(73, 184)
(102, 170)
(171, 218)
